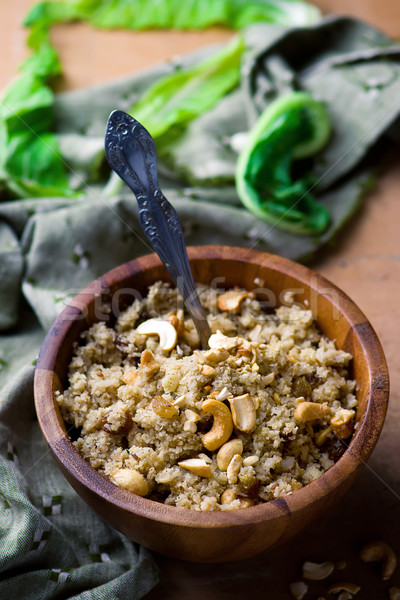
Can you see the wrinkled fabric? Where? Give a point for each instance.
(51, 544)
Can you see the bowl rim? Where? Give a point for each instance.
(354, 457)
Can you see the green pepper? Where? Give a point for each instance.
(291, 128)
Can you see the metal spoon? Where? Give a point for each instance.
(131, 152)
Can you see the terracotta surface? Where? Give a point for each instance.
(365, 264)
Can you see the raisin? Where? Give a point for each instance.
(121, 344)
(249, 486)
(163, 408)
(314, 380)
(123, 429)
(301, 387)
(335, 447)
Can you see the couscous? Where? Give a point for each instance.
(261, 413)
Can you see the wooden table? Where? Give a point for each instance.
(365, 263)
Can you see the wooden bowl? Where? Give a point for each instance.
(216, 536)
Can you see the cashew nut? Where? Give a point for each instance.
(131, 480)
(268, 379)
(208, 371)
(180, 400)
(246, 502)
(177, 321)
(342, 423)
(130, 377)
(223, 394)
(231, 300)
(246, 352)
(165, 331)
(344, 586)
(250, 461)
(216, 355)
(190, 426)
(345, 596)
(191, 415)
(298, 589)
(394, 593)
(222, 427)
(317, 571)
(197, 466)
(200, 357)
(308, 411)
(379, 551)
(227, 452)
(234, 468)
(220, 341)
(228, 496)
(243, 412)
(322, 436)
(190, 423)
(205, 457)
(148, 363)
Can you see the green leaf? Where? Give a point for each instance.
(45, 14)
(292, 127)
(30, 162)
(203, 155)
(178, 98)
(351, 67)
(26, 110)
(190, 14)
(44, 63)
(36, 166)
(27, 104)
(283, 12)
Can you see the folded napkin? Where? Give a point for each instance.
(51, 544)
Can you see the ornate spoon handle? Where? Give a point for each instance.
(131, 152)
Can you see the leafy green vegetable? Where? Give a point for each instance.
(203, 155)
(181, 96)
(30, 164)
(292, 127)
(30, 161)
(190, 14)
(353, 68)
(36, 166)
(171, 102)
